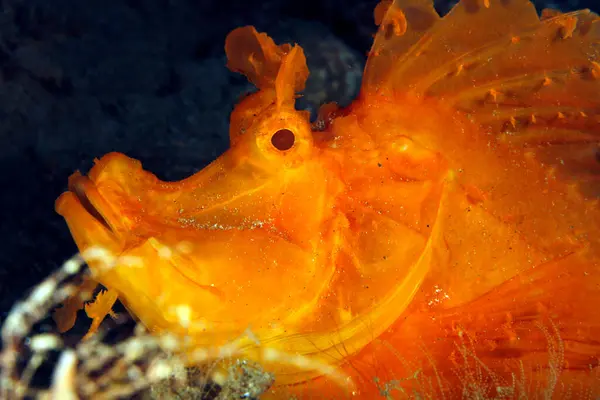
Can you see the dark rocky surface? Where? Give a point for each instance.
(144, 77)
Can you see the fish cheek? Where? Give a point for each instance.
(152, 287)
(225, 280)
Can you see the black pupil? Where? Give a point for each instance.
(283, 139)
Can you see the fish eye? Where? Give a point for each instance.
(283, 139)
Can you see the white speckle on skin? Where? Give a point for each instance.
(184, 247)
(439, 296)
(270, 354)
(132, 261)
(98, 253)
(184, 314)
(165, 253)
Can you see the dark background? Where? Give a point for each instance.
(80, 78)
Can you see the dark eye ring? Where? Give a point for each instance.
(283, 139)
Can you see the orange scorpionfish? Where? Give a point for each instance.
(438, 238)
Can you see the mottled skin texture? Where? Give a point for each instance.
(440, 235)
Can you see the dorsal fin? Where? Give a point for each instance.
(530, 81)
(430, 47)
(402, 24)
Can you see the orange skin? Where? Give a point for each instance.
(439, 236)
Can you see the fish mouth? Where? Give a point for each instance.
(90, 218)
(78, 185)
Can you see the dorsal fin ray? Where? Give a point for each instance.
(402, 25)
(430, 43)
(530, 81)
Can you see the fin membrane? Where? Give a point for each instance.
(530, 81)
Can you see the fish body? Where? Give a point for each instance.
(437, 238)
